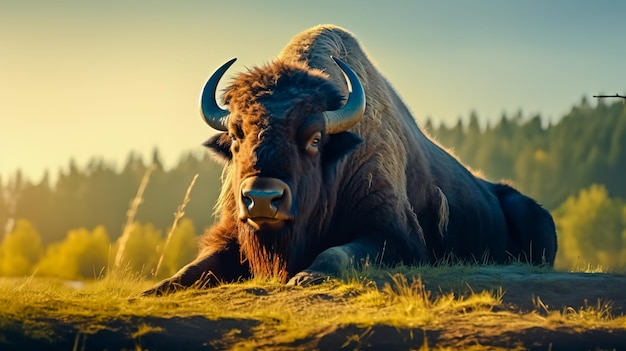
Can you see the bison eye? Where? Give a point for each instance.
(234, 144)
(313, 145)
(238, 133)
(233, 138)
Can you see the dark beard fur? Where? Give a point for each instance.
(267, 252)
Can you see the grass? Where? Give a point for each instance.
(178, 215)
(423, 308)
(130, 216)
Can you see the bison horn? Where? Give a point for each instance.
(215, 116)
(347, 116)
(336, 121)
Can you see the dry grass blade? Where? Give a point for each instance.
(180, 213)
(130, 216)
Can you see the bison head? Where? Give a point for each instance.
(282, 137)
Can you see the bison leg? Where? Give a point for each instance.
(207, 270)
(333, 261)
(532, 234)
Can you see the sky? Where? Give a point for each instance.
(81, 79)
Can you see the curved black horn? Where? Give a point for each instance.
(351, 113)
(215, 116)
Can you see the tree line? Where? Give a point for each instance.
(89, 254)
(572, 167)
(587, 146)
(101, 195)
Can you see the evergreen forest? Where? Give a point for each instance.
(71, 228)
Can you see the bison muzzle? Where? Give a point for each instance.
(265, 202)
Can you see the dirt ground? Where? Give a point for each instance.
(522, 322)
(556, 290)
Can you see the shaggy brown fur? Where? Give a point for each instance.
(384, 191)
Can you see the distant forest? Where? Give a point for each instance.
(101, 195)
(587, 146)
(551, 163)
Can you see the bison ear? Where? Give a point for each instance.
(219, 145)
(340, 145)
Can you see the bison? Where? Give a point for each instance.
(325, 168)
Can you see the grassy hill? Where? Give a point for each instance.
(423, 308)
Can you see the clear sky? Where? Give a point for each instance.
(83, 78)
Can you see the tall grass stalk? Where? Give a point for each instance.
(180, 213)
(130, 217)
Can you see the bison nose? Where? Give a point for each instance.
(264, 200)
(262, 203)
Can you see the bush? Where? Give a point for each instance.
(591, 230)
(83, 254)
(182, 248)
(143, 249)
(20, 250)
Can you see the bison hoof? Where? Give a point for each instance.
(162, 288)
(305, 278)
